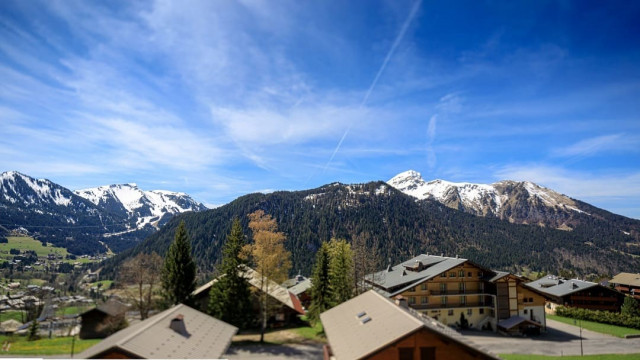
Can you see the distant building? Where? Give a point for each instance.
(179, 332)
(103, 320)
(577, 293)
(288, 308)
(452, 289)
(370, 326)
(628, 284)
(300, 287)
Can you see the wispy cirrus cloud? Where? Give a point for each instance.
(599, 144)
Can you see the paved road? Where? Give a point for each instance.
(560, 339)
(277, 352)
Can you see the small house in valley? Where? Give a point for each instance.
(103, 320)
(628, 284)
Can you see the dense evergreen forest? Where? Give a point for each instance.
(401, 227)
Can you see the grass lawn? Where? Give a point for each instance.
(315, 333)
(29, 243)
(71, 310)
(614, 330)
(55, 346)
(12, 314)
(575, 357)
(106, 284)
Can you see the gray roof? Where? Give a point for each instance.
(369, 322)
(300, 287)
(498, 275)
(401, 277)
(515, 321)
(275, 290)
(555, 286)
(628, 279)
(207, 337)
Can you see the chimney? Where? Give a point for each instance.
(402, 302)
(177, 325)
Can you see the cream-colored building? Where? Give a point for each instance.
(456, 290)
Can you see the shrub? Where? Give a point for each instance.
(599, 316)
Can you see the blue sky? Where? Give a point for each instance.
(223, 98)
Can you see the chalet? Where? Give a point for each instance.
(371, 326)
(456, 291)
(179, 332)
(576, 293)
(103, 320)
(289, 306)
(300, 287)
(628, 284)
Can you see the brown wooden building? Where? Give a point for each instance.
(628, 284)
(103, 320)
(371, 326)
(577, 293)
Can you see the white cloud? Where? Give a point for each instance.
(599, 144)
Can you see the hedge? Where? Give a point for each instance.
(604, 317)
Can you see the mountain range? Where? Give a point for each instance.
(90, 220)
(398, 226)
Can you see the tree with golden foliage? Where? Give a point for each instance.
(271, 260)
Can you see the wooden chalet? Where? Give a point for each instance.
(576, 293)
(103, 320)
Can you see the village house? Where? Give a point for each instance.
(288, 310)
(458, 292)
(371, 326)
(177, 333)
(576, 293)
(300, 286)
(628, 284)
(103, 320)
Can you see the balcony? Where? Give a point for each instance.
(486, 304)
(456, 292)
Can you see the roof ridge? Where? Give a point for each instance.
(160, 316)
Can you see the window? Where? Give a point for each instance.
(412, 300)
(525, 300)
(413, 289)
(424, 300)
(479, 273)
(450, 313)
(452, 274)
(526, 311)
(469, 312)
(481, 311)
(469, 274)
(463, 300)
(461, 273)
(461, 287)
(444, 274)
(443, 287)
(444, 300)
(405, 353)
(427, 353)
(530, 299)
(423, 287)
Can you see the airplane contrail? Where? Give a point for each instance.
(396, 42)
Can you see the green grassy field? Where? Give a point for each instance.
(56, 346)
(12, 314)
(614, 330)
(28, 243)
(72, 310)
(576, 357)
(315, 333)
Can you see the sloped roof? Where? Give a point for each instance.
(300, 287)
(10, 325)
(207, 337)
(275, 290)
(369, 322)
(628, 279)
(515, 321)
(400, 277)
(554, 286)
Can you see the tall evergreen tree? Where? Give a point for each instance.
(321, 298)
(341, 281)
(230, 296)
(179, 271)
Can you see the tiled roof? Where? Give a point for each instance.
(555, 286)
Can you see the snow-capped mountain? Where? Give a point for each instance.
(516, 201)
(88, 221)
(146, 207)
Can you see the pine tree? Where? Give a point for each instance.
(321, 298)
(179, 271)
(341, 281)
(230, 296)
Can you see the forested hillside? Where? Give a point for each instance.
(402, 227)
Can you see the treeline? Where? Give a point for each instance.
(401, 227)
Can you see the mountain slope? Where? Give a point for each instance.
(519, 202)
(152, 208)
(401, 226)
(57, 215)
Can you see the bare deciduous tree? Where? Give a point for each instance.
(140, 276)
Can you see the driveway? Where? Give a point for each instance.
(560, 339)
(285, 351)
